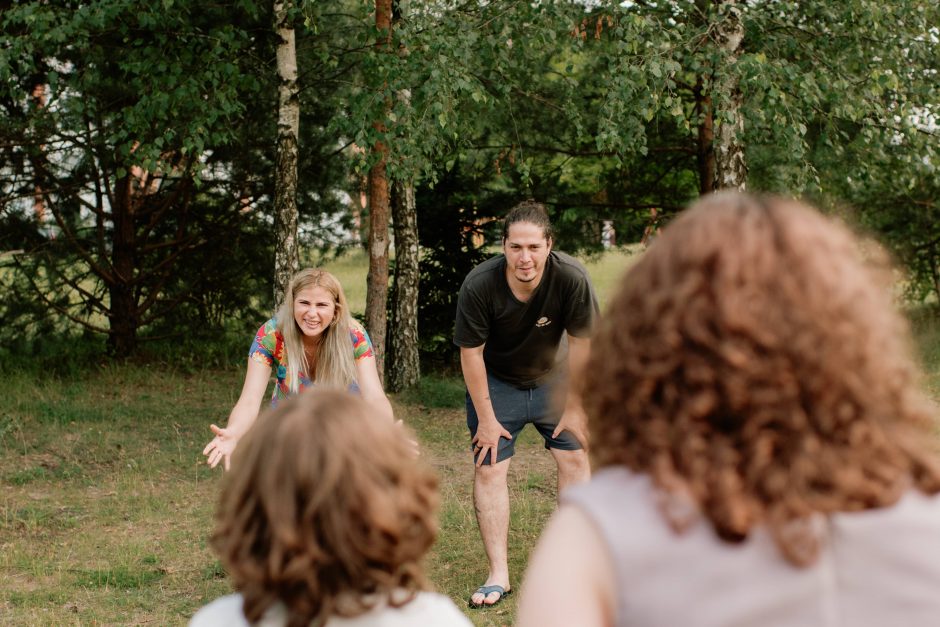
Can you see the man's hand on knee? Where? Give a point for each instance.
(487, 438)
(574, 421)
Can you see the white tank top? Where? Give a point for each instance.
(877, 568)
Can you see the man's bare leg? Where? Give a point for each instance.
(573, 467)
(491, 502)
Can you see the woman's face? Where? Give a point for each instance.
(314, 310)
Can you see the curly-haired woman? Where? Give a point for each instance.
(765, 452)
(313, 340)
(324, 520)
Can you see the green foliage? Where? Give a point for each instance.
(76, 357)
(900, 203)
(115, 146)
(437, 392)
(174, 89)
(448, 218)
(826, 76)
(840, 102)
(601, 110)
(153, 167)
(48, 348)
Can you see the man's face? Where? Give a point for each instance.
(526, 249)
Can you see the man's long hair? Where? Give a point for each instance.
(753, 364)
(531, 212)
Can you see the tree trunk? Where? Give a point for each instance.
(122, 313)
(377, 280)
(404, 370)
(286, 256)
(39, 203)
(360, 201)
(705, 144)
(731, 167)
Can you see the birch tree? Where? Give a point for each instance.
(286, 255)
(403, 365)
(730, 164)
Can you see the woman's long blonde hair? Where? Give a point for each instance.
(335, 364)
(753, 363)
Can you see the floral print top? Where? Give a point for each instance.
(268, 348)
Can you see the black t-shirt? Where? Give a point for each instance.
(522, 338)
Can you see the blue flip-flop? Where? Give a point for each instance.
(487, 591)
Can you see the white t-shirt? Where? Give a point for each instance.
(428, 609)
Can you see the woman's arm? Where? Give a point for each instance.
(570, 580)
(371, 387)
(242, 417)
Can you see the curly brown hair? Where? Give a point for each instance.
(753, 365)
(326, 511)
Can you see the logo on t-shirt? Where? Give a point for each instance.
(543, 322)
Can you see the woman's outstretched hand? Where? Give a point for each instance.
(221, 447)
(409, 438)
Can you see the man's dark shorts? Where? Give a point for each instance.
(514, 409)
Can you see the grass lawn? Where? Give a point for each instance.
(107, 504)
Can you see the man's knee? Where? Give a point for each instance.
(492, 474)
(572, 462)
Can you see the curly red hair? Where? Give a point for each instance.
(326, 511)
(754, 366)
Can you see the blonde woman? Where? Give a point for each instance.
(312, 340)
(325, 521)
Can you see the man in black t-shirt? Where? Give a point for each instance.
(512, 314)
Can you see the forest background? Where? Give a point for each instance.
(165, 166)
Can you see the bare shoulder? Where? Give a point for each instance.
(571, 566)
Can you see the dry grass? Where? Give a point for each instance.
(107, 505)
